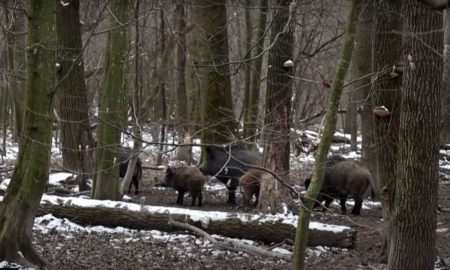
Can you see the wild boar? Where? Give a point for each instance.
(250, 185)
(184, 179)
(343, 179)
(228, 164)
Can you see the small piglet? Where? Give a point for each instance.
(184, 179)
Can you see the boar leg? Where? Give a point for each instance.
(343, 199)
(180, 197)
(134, 182)
(199, 199)
(328, 201)
(358, 204)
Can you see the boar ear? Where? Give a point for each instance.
(169, 172)
(307, 182)
(208, 151)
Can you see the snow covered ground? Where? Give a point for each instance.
(48, 223)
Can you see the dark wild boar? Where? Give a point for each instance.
(250, 185)
(125, 154)
(184, 179)
(343, 179)
(227, 164)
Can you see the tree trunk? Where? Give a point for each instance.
(183, 153)
(445, 115)
(413, 227)
(135, 106)
(325, 142)
(71, 98)
(30, 176)
(248, 69)
(251, 105)
(16, 61)
(351, 119)
(209, 57)
(113, 109)
(387, 56)
(278, 108)
(361, 68)
(163, 101)
(248, 226)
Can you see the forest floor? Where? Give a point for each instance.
(87, 250)
(69, 246)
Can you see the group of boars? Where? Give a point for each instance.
(235, 165)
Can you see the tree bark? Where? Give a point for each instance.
(30, 176)
(361, 68)
(252, 99)
(246, 226)
(113, 109)
(16, 61)
(163, 100)
(413, 227)
(209, 57)
(329, 128)
(387, 56)
(183, 153)
(71, 98)
(445, 115)
(278, 108)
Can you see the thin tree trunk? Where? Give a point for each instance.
(16, 61)
(71, 99)
(113, 109)
(413, 227)
(445, 115)
(30, 176)
(248, 69)
(183, 119)
(325, 142)
(251, 113)
(135, 105)
(361, 68)
(163, 99)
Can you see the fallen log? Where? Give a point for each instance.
(264, 228)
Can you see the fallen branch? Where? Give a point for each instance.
(230, 244)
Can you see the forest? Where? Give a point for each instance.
(225, 134)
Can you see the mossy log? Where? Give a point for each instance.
(264, 228)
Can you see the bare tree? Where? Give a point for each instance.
(413, 226)
(20, 205)
(362, 85)
(445, 115)
(278, 109)
(254, 72)
(113, 107)
(71, 98)
(15, 57)
(387, 56)
(301, 235)
(209, 55)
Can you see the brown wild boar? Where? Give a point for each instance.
(250, 184)
(184, 179)
(343, 179)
